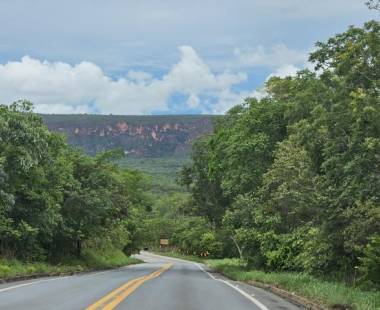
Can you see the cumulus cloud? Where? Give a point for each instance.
(139, 76)
(282, 60)
(62, 109)
(57, 87)
(227, 100)
(284, 71)
(278, 55)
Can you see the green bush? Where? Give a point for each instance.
(210, 245)
(370, 262)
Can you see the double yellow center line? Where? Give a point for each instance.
(111, 300)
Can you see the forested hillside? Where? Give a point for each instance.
(291, 182)
(157, 145)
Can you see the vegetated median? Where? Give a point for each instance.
(13, 269)
(326, 293)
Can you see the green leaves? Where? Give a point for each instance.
(353, 56)
(370, 262)
(53, 199)
(297, 173)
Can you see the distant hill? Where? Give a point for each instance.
(139, 136)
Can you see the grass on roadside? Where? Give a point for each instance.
(179, 255)
(324, 292)
(90, 260)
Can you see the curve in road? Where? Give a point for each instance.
(161, 283)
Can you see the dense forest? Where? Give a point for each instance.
(57, 202)
(291, 181)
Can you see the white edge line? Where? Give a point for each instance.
(89, 275)
(30, 283)
(92, 275)
(254, 300)
(209, 274)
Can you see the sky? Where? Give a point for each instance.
(161, 56)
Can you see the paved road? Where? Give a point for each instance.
(159, 284)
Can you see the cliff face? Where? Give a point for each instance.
(142, 136)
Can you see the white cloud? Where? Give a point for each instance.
(277, 56)
(139, 76)
(283, 61)
(227, 100)
(258, 93)
(57, 87)
(142, 33)
(284, 71)
(61, 109)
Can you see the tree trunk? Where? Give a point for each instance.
(79, 248)
(238, 247)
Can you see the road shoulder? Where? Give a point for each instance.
(262, 297)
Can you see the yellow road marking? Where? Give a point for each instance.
(111, 300)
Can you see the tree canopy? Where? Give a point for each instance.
(294, 177)
(53, 198)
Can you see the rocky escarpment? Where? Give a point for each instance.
(143, 136)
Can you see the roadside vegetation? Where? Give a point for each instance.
(89, 261)
(325, 292)
(176, 254)
(289, 183)
(59, 206)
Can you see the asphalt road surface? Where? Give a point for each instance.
(159, 284)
